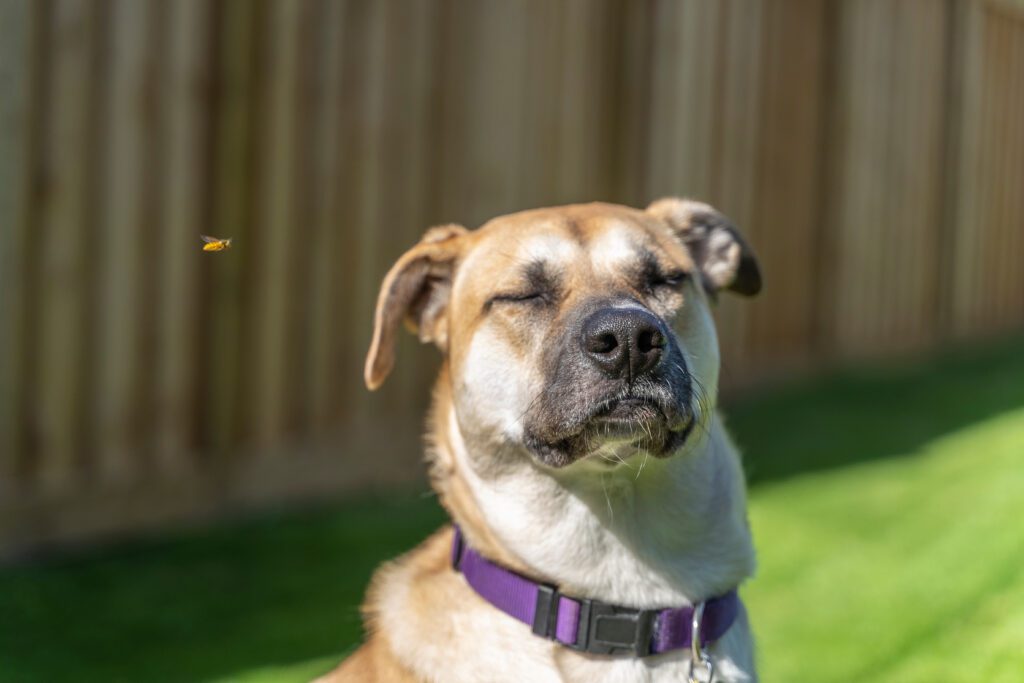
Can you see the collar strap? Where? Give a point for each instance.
(590, 625)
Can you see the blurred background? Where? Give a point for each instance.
(872, 151)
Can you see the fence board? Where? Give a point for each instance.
(16, 71)
(272, 299)
(1014, 292)
(865, 58)
(987, 284)
(64, 235)
(685, 98)
(128, 133)
(736, 137)
(1010, 282)
(233, 157)
(966, 173)
(916, 146)
(633, 105)
(583, 99)
(324, 332)
(368, 21)
(790, 176)
(537, 170)
(407, 148)
(183, 139)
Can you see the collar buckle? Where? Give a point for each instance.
(603, 629)
(606, 629)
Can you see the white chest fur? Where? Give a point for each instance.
(647, 534)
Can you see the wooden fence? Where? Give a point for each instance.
(873, 150)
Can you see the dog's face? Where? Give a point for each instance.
(575, 331)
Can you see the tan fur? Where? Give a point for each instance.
(418, 611)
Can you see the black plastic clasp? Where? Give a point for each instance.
(545, 615)
(603, 629)
(611, 630)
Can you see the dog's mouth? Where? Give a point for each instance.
(650, 420)
(655, 425)
(629, 411)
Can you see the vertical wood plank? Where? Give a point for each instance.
(345, 371)
(272, 323)
(958, 109)
(536, 57)
(791, 182)
(309, 90)
(233, 158)
(184, 138)
(406, 150)
(1014, 311)
(860, 219)
(119, 360)
(58, 413)
(486, 108)
(1010, 288)
(988, 287)
(326, 236)
(370, 193)
(736, 149)
(685, 99)
(916, 146)
(967, 176)
(633, 104)
(585, 97)
(16, 82)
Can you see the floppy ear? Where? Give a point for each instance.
(724, 259)
(416, 289)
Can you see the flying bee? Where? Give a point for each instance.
(215, 243)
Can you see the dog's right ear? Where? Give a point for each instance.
(416, 289)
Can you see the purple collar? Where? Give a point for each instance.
(590, 625)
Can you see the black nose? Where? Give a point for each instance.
(624, 342)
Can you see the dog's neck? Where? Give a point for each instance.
(647, 533)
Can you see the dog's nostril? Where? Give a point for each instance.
(603, 343)
(648, 340)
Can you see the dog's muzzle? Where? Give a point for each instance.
(619, 377)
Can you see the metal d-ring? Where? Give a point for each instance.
(698, 654)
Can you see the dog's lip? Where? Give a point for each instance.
(629, 410)
(634, 415)
(634, 409)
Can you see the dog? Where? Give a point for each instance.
(573, 439)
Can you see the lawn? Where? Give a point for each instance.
(887, 506)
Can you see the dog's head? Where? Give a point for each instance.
(572, 331)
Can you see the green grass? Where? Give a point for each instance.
(888, 528)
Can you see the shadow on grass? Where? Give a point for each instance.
(873, 413)
(206, 605)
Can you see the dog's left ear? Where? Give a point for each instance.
(724, 259)
(415, 290)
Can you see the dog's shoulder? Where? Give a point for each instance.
(408, 589)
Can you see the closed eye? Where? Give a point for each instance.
(517, 297)
(673, 279)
